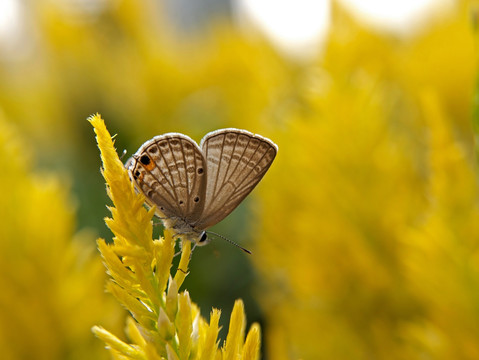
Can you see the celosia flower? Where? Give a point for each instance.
(51, 283)
(380, 256)
(165, 323)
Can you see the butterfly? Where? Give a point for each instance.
(195, 187)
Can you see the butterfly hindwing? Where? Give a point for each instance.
(236, 161)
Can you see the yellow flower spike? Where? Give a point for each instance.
(116, 344)
(115, 267)
(171, 353)
(209, 346)
(184, 325)
(152, 353)
(166, 328)
(147, 283)
(134, 333)
(164, 251)
(198, 324)
(132, 220)
(184, 261)
(172, 299)
(137, 309)
(234, 340)
(164, 324)
(219, 355)
(251, 348)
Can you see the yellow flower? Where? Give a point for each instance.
(164, 323)
(378, 188)
(51, 285)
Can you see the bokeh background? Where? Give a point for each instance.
(365, 231)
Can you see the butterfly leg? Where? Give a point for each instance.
(193, 248)
(177, 253)
(175, 236)
(157, 223)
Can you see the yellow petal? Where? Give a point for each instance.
(251, 348)
(234, 340)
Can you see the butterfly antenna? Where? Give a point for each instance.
(123, 154)
(230, 241)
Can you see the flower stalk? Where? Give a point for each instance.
(164, 322)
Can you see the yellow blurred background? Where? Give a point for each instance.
(364, 232)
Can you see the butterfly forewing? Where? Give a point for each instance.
(170, 171)
(236, 161)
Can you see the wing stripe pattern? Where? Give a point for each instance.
(162, 182)
(194, 189)
(243, 189)
(237, 160)
(175, 172)
(228, 160)
(225, 159)
(188, 193)
(217, 172)
(153, 192)
(165, 170)
(159, 166)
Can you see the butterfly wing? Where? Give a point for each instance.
(170, 171)
(236, 162)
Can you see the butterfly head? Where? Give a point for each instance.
(183, 228)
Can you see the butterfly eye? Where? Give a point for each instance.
(200, 171)
(203, 237)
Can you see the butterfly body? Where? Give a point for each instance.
(194, 187)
